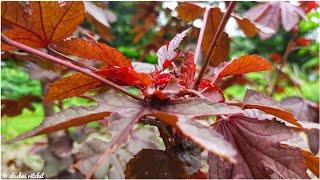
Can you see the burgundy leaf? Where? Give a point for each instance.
(89, 159)
(206, 138)
(256, 100)
(149, 164)
(114, 165)
(188, 71)
(269, 14)
(11, 107)
(304, 110)
(260, 154)
(107, 103)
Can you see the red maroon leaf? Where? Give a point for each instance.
(94, 51)
(276, 57)
(260, 154)
(38, 24)
(312, 162)
(149, 164)
(242, 65)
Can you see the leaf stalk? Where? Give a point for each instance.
(69, 65)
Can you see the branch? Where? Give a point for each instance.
(214, 42)
(290, 46)
(67, 64)
(56, 53)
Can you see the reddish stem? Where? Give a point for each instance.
(205, 19)
(57, 53)
(67, 64)
(214, 42)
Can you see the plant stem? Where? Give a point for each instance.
(67, 64)
(289, 48)
(56, 53)
(198, 48)
(214, 43)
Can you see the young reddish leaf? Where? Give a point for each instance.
(167, 53)
(188, 71)
(161, 78)
(13, 107)
(259, 152)
(312, 162)
(188, 11)
(94, 51)
(39, 24)
(304, 111)
(74, 116)
(303, 41)
(126, 76)
(269, 14)
(256, 100)
(149, 164)
(242, 65)
(70, 86)
(221, 52)
(308, 5)
(121, 131)
(276, 57)
(206, 138)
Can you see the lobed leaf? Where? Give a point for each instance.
(206, 138)
(11, 107)
(38, 24)
(259, 152)
(74, 116)
(94, 51)
(269, 14)
(90, 157)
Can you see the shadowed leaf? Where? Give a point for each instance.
(149, 164)
(13, 107)
(305, 111)
(260, 154)
(206, 138)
